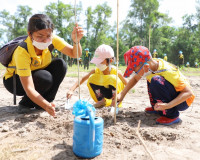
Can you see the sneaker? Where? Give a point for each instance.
(24, 109)
(150, 110)
(167, 121)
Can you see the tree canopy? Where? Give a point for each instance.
(144, 25)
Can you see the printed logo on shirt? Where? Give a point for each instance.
(35, 62)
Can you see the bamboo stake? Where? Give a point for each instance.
(142, 141)
(77, 52)
(149, 36)
(117, 61)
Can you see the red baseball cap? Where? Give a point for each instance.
(134, 57)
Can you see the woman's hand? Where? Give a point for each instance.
(80, 33)
(69, 94)
(51, 109)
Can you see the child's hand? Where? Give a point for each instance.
(119, 99)
(160, 106)
(69, 94)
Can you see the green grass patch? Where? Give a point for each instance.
(133, 90)
(190, 71)
(191, 74)
(74, 68)
(72, 75)
(73, 71)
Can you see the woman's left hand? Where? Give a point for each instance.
(80, 33)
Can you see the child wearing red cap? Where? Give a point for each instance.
(102, 80)
(168, 89)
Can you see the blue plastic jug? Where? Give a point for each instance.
(88, 135)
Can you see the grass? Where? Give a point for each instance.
(190, 71)
(74, 68)
(72, 75)
(133, 90)
(73, 71)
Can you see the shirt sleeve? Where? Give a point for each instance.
(58, 42)
(23, 61)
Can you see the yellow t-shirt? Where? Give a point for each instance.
(26, 62)
(173, 75)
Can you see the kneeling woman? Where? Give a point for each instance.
(102, 80)
(38, 77)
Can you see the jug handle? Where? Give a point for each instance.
(91, 128)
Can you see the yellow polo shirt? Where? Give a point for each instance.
(27, 61)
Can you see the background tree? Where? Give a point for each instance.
(100, 26)
(62, 16)
(15, 25)
(143, 21)
(88, 21)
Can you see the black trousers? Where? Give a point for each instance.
(46, 82)
(102, 92)
(161, 90)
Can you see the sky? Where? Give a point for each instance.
(174, 8)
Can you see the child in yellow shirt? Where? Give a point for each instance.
(102, 80)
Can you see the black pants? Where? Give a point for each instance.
(46, 82)
(161, 90)
(102, 92)
(86, 64)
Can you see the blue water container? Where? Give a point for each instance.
(88, 135)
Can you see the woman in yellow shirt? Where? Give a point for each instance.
(38, 76)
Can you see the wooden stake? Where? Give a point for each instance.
(149, 36)
(142, 141)
(117, 61)
(77, 53)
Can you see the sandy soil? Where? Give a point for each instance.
(38, 136)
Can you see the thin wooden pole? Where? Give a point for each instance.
(149, 36)
(117, 61)
(77, 52)
(142, 141)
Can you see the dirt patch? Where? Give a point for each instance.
(37, 136)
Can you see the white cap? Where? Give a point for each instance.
(102, 52)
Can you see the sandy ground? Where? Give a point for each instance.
(38, 136)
